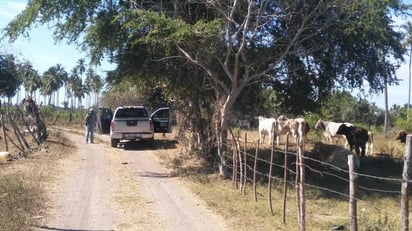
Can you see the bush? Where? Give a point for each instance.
(404, 122)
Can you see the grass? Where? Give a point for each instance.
(243, 213)
(22, 192)
(21, 199)
(377, 210)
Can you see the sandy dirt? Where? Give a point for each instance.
(100, 188)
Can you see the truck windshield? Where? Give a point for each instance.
(131, 112)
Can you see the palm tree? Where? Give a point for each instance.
(32, 82)
(70, 85)
(29, 77)
(408, 43)
(81, 67)
(61, 77)
(47, 86)
(96, 87)
(53, 79)
(79, 91)
(94, 83)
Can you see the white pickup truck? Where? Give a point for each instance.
(136, 123)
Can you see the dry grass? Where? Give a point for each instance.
(376, 211)
(23, 180)
(243, 213)
(22, 191)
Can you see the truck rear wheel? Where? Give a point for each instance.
(150, 142)
(113, 142)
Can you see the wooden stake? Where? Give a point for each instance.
(405, 185)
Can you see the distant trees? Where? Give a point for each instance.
(15, 74)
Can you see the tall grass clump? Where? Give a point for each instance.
(20, 200)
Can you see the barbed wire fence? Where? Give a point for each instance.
(247, 168)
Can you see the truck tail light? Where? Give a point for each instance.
(112, 125)
(151, 126)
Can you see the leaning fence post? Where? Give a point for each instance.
(405, 187)
(353, 185)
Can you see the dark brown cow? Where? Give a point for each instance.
(357, 138)
(402, 134)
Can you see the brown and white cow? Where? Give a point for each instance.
(297, 127)
(329, 129)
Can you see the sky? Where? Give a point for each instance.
(43, 52)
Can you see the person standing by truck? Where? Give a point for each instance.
(91, 119)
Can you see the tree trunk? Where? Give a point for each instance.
(409, 89)
(222, 123)
(385, 126)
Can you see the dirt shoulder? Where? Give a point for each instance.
(101, 188)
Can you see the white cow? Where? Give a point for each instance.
(266, 127)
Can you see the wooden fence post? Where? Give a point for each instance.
(302, 198)
(245, 166)
(405, 185)
(270, 177)
(4, 129)
(353, 186)
(285, 180)
(234, 164)
(240, 163)
(297, 176)
(254, 171)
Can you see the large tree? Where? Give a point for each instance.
(9, 80)
(303, 49)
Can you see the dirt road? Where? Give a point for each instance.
(101, 188)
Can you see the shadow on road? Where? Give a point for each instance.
(142, 145)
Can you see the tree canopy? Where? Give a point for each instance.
(9, 80)
(216, 50)
(304, 49)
